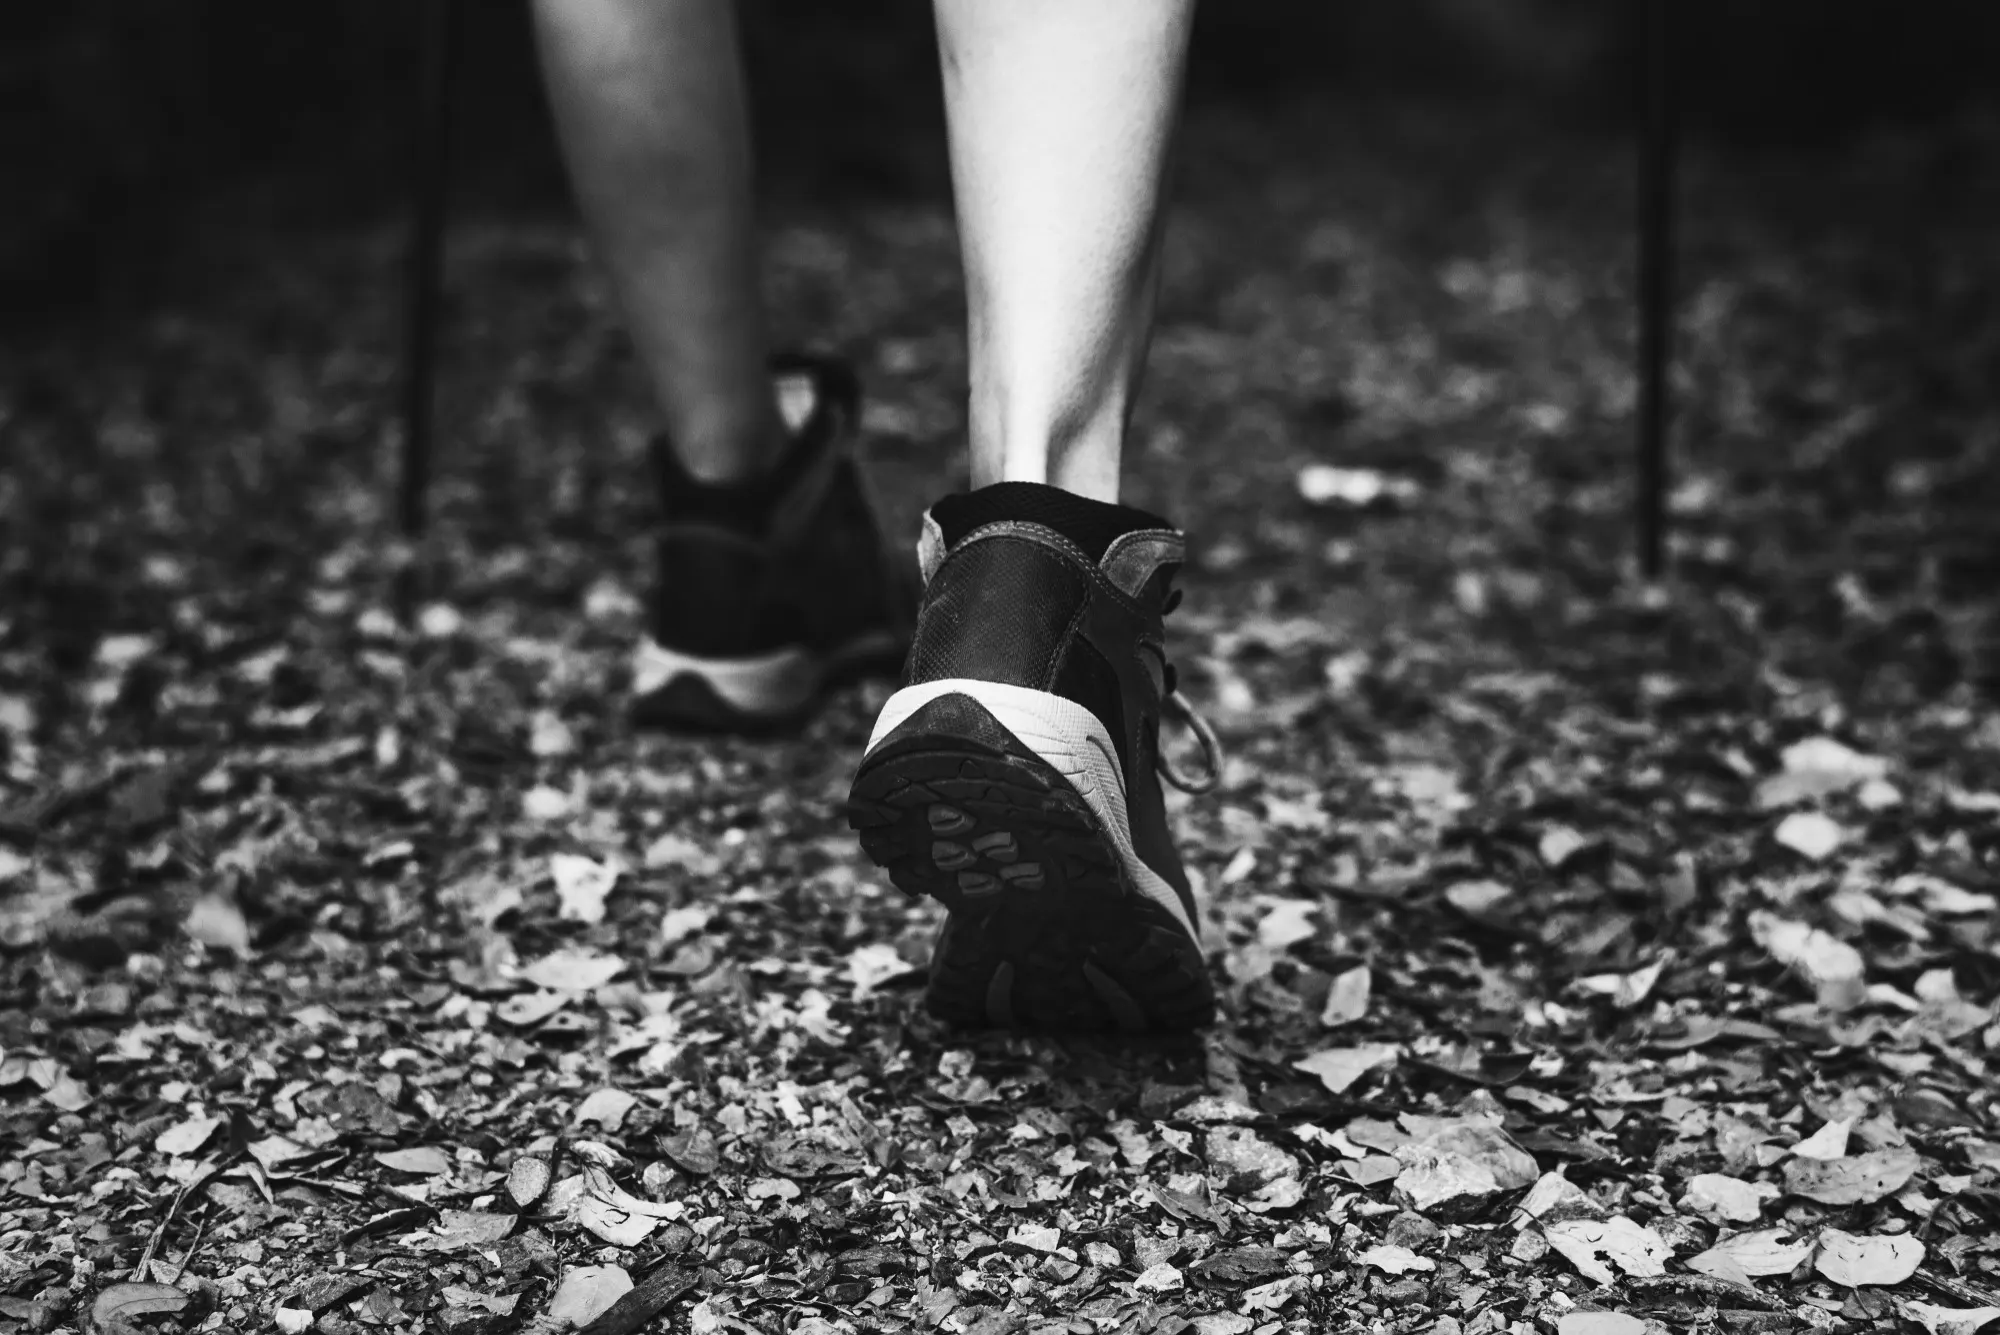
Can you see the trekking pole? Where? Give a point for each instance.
(1656, 298)
(422, 281)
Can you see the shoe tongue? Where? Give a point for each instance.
(1091, 525)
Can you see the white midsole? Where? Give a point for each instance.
(773, 683)
(1070, 738)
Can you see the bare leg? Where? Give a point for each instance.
(1061, 118)
(648, 99)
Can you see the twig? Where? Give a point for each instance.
(638, 1307)
(1965, 1293)
(159, 1232)
(200, 1227)
(1717, 1291)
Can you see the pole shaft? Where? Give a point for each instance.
(423, 278)
(1656, 294)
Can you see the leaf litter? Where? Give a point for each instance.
(368, 979)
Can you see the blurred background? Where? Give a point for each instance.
(126, 125)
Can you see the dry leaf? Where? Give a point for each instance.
(1720, 1198)
(1354, 488)
(184, 1139)
(1633, 1248)
(872, 965)
(1948, 1320)
(1288, 922)
(428, 1160)
(1818, 767)
(292, 1320)
(1851, 1260)
(1347, 999)
(582, 885)
(1449, 1157)
(1858, 1180)
(587, 1292)
(1748, 1255)
(606, 1107)
(1160, 1278)
(1559, 843)
(1395, 1260)
(1551, 1189)
(573, 970)
(1339, 1068)
(1811, 834)
(1599, 1323)
(1829, 1142)
(1833, 967)
(1036, 1237)
(216, 922)
(528, 1180)
(459, 1229)
(123, 1303)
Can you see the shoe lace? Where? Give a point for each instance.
(1176, 704)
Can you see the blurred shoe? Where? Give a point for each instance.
(1015, 777)
(773, 591)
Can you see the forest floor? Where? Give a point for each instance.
(1595, 957)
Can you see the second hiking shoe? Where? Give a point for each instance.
(1015, 777)
(772, 591)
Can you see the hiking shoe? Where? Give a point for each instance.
(1015, 777)
(772, 591)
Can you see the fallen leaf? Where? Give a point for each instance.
(216, 922)
(1948, 1320)
(428, 1160)
(1160, 1278)
(1811, 834)
(1851, 1260)
(1551, 1189)
(1480, 901)
(1449, 1157)
(587, 1293)
(1857, 1180)
(1395, 1260)
(1941, 898)
(460, 1229)
(1749, 1255)
(1833, 967)
(1339, 1068)
(500, 1304)
(122, 1303)
(543, 804)
(606, 1107)
(1354, 488)
(1036, 1237)
(1347, 998)
(872, 965)
(1626, 990)
(528, 1180)
(531, 1008)
(1829, 1142)
(292, 1320)
(1599, 1323)
(1286, 923)
(1633, 1248)
(573, 970)
(1719, 1198)
(189, 1136)
(582, 885)
(1818, 767)
(1558, 844)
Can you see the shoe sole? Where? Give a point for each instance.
(996, 802)
(759, 693)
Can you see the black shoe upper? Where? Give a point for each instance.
(794, 558)
(1035, 587)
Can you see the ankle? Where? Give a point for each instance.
(730, 451)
